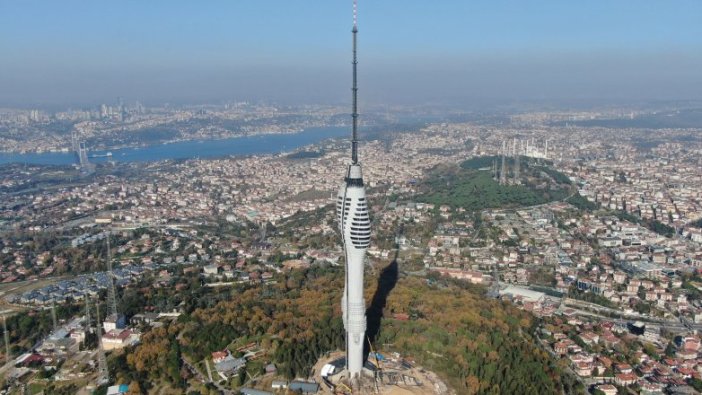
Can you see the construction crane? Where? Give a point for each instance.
(375, 354)
(345, 388)
(377, 363)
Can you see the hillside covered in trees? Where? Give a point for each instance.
(477, 345)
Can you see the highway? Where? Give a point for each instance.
(680, 324)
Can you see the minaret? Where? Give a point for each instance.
(503, 168)
(546, 150)
(517, 166)
(354, 225)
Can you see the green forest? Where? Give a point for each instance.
(472, 189)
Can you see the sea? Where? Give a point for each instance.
(237, 146)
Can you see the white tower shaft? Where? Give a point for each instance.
(354, 225)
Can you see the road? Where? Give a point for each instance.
(204, 379)
(681, 324)
(544, 346)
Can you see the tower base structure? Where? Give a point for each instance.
(363, 381)
(381, 374)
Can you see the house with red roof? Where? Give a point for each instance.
(625, 379)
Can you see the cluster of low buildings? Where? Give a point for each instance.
(606, 354)
(188, 194)
(665, 185)
(78, 288)
(62, 345)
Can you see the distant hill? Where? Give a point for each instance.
(683, 119)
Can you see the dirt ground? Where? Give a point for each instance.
(431, 384)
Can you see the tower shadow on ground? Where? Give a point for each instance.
(374, 313)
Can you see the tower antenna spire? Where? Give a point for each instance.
(354, 92)
(355, 19)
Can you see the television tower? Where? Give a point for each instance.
(354, 225)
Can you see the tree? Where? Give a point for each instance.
(695, 383)
(134, 388)
(242, 376)
(650, 349)
(670, 350)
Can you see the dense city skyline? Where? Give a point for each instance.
(75, 53)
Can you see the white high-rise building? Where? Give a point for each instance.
(354, 225)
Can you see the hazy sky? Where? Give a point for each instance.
(411, 51)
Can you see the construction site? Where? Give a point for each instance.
(389, 374)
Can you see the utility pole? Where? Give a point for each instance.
(7, 341)
(53, 315)
(517, 165)
(111, 294)
(103, 373)
(87, 315)
(503, 168)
